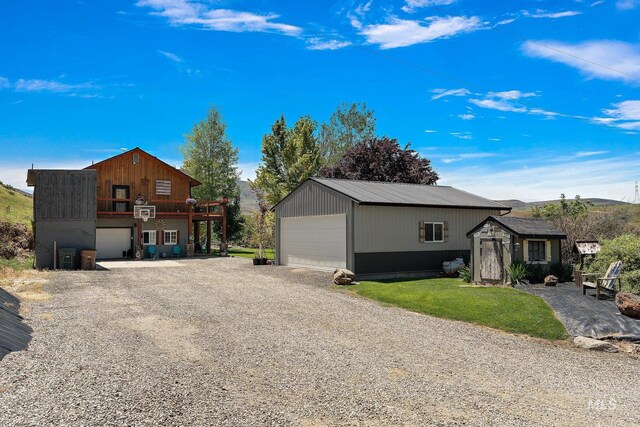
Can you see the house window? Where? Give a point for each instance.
(163, 187)
(433, 232)
(149, 237)
(171, 237)
(537, 251)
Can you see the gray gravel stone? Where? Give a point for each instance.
(221, 342)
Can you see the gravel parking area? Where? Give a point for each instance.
(221, 342)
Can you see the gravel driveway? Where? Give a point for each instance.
(220, 342)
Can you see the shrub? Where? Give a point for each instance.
(465, 274)
(517, 272)
(535, 273)
(564, 272)
(625, 248)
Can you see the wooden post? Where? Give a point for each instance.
(138, 245)
(196, 232)
(190, 225)
(208, 236)
(224, 225)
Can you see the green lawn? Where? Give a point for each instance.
(501, 308)
(250, 253)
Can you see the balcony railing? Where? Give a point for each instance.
(119, 208)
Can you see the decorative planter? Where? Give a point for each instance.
(256, 261)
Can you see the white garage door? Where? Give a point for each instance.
(318, 242)
(111, 242)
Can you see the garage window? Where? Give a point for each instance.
(149, 237)
(433, 232)
(171, 237)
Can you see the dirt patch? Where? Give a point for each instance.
(15, 240)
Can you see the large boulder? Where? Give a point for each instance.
(342, 276)
(550, 280)
(592, 344)
(628, 304)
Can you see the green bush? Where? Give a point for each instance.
(564, 272)
(465, 274)
(535, 273)
(625, 248)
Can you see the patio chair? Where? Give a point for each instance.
(152, 251)
(606, 283)
(176, 251)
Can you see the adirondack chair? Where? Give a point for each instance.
(606, 283)
(152, 251)
(176, 251)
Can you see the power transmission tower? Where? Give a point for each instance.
(636, 199)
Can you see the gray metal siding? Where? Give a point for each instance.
(65, 195)
(67, 234)
(396, 228)
(313, 199)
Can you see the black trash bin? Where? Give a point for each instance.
(66, 258)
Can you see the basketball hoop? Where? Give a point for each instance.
(145, 213)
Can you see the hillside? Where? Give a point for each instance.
(15, 205)
(519, 204)
(248, 198)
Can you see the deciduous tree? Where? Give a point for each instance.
(382, 159)
(348, 125)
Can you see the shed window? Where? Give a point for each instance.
(163, 187)
(537, 251)
(136, 158)
(171, 237)
(149, 237)
(434, 232)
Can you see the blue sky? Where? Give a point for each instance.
(520, 99)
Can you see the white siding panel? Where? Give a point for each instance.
(396, 228)
(318, 242)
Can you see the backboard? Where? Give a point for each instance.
(144, 212)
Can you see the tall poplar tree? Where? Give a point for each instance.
(211, 158)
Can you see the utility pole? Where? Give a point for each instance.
(636, 199)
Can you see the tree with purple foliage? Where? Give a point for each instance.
(382, 159)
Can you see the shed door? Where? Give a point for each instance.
(318, 242)
(112, 242)
(491, 260)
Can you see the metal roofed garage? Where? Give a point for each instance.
(376, 228)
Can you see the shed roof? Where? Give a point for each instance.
(524, 227)
(400, 194)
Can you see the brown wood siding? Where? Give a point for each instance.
(141, 179)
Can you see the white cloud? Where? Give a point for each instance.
(248, 170)
(497, 104)
(624, 115)
(430, 131)
(627, 4)
(512, 94)
(477, 155)
(4, 83)
(610, 178)
(411, 5)
(590, 153)
(185, 12)
(605, 59)
(461, 135)
(441, 93)
(467, 116)
(551, 15)
(172, 56)
(494, 139)
(36, 85)
(402, 32)
(316, 43)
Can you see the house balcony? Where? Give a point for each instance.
(166, 209)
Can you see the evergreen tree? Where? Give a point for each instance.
(289, 156)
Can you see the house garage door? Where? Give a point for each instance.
(111, 242)
(318, 242)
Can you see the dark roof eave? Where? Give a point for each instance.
(424, 205)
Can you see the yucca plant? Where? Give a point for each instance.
(517, 272)
(465, 274)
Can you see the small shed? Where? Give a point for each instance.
(499, 241)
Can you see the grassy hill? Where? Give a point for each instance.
(519, 204)
(15, 205)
